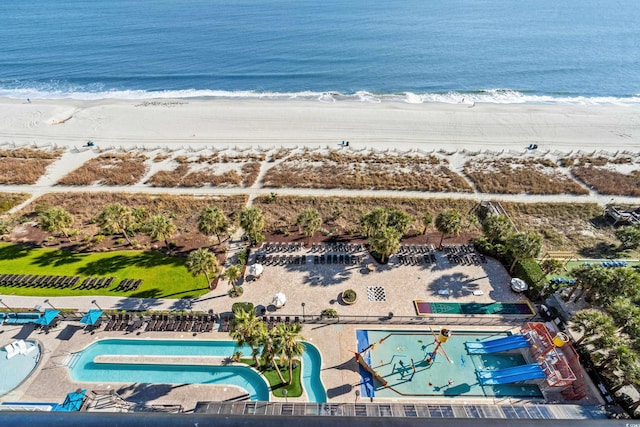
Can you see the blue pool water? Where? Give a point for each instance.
(84, 369)
(15, 370)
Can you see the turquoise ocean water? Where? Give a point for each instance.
(584, 51)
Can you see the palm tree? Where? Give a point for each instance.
(201, 261)
(116, 219)
(374, 221)
(427, 220)
(248, 329)
(588, 277)
(159, 227)
(449, 222)
(309, 221)
(290, 343)
(526, 244)
(496, 228)
(592, 323)
(56, 220)
(623, 282)
(630, 376)
(270, 348)
(385, 242)
(232, 274)
(252, 221)
(213, 221)
(399, 221)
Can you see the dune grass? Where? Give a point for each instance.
(162, 276)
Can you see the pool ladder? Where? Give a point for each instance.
(71, 360)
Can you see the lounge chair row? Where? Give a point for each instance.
(96, 283)
(40, 281)
(272, 321)
(458, 249)
(128, 285)
(336, 247)
(416, 259)
(337, 259)
(281, 247)
(18, 347)
(466, 259)
(181, 323)
(281, 259)
(416, 249)
(123, 322)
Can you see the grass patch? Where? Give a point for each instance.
(162, 276)
(109, 169)
(293, 390)
(512, 175)
(9, 200)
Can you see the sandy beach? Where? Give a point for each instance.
(251, 122)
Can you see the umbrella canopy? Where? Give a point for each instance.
(47, 317)
(256, 269)
(73, 401)
(279, 300)
(519, 285)
(91, 317)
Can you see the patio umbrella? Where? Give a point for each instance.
(91, 317)
(519, 285)
(47, 317)
(256, 269)
(73, 401)
(279, 300)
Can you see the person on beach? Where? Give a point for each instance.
(450, 382)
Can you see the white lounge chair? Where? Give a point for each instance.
(443, 292)
(478, 292)
(11, 350)
(21, 346)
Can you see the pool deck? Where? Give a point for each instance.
(318, 286)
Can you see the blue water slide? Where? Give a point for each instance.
(495, 346)
(514, 374)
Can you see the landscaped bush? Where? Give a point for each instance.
(529, 270)
(329, 313)
(247, 307)
(349, 296)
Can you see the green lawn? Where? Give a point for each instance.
(566, 272)
(293, 390)
(162, 276)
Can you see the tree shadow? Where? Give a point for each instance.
(137, 304)
(14, 251)
(112, 264)
(141, 393)
(182, 304)
(458, 285)
(57, 258)
(600, 250)
(349, 365)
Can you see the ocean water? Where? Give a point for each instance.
(584, 51)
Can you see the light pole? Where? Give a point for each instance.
(10, 309)
(284, 393)
(47, 302)
(96, 304)
(303, 304)
(357, 395)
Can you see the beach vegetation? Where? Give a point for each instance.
(497, 228)
(511, 175)
(427, 220)
(117, 219)
(604, 174)
(24, 166)
(10, 200)
(109, 169)
(526, 244)
(160, 227)
(629, 236)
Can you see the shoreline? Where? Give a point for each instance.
(260, 122)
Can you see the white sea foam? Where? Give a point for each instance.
(493, 96)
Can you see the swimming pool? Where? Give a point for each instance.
(14, 370)
(83, 367)
(400, 360)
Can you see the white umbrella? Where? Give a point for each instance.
(256, 269)
(519, 285)
(279, 300)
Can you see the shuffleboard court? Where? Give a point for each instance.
(520, 308)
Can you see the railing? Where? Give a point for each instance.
(391, 319)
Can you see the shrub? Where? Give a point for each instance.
(349, 296)
(529, 270)
(329, 312)
(236, 292)
(98, 238)
(247, 307)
